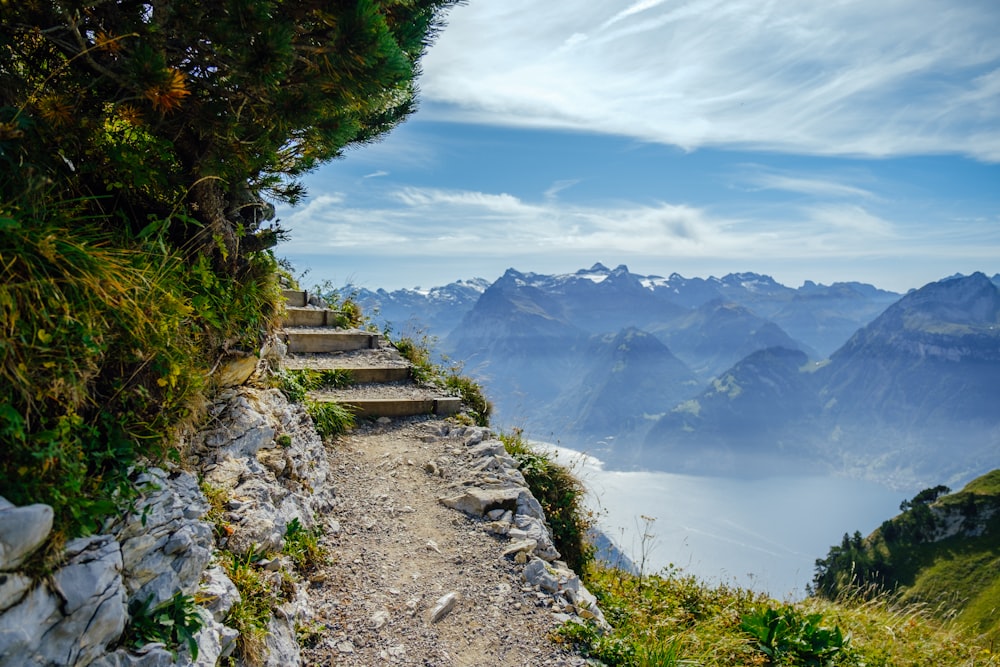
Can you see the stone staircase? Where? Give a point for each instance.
(381, 380)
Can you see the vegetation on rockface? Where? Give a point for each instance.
(425, 371)
(942, 551)
(561, 496)
(140, 146)
(173, 623)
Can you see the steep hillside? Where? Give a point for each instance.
(942, 550)
(923, 375)
(753, 419)
(631, 379)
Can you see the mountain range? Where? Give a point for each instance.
(734, 375)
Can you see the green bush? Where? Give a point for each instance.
(787, 636)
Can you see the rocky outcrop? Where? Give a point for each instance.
(486, 484)
(142, 559)
(263, 458)
(260, 452)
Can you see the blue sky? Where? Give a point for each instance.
(824, 141)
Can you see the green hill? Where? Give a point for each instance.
(942, 551)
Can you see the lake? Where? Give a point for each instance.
(764, 534)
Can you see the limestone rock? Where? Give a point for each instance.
(74, 619)
(476, 501)
(164, 547)
(219, 592)
(282, 646)
(442, 607)
(22, 530)
(235, 370)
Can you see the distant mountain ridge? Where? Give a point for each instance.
(707, 376)
(913, 393)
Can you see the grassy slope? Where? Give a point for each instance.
(960, 576)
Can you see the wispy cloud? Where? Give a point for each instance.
(431, 221)
(759, 178)
(897, 77)
(377, 174)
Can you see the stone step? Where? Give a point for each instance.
(399, 407)
(296, 316)
(371, 374)
(312, 340)
(295, 298)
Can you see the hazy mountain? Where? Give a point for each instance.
(747, 421)
(435, 311)
(602, 300)
(631, 379)
(824, 317)
(912, 395)
(717, 334)
(518, 342)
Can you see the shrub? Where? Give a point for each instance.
(785, 634)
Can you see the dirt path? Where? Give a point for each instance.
(396, 550)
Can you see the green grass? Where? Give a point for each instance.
(676, 619)
(252, 614)
(331, 419)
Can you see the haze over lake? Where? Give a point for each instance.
(763, 533)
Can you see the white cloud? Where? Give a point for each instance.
(847, 78)
(429, 221)
(763, 179)
(377, 174)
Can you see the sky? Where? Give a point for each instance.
(825, 141)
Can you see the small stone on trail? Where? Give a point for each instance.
(380, 618)
(443, 607)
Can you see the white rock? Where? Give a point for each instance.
(22, 530)
(379, 618)
(442, 607)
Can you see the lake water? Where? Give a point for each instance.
(764, 534)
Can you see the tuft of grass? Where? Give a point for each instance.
(303, 547)
(252, 614)
(418, 353)
(561, 495)
(471, 392)
(331, 419)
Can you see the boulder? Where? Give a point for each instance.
(22, 531)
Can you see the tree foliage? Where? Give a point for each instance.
(141, 145)
(183, 115)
